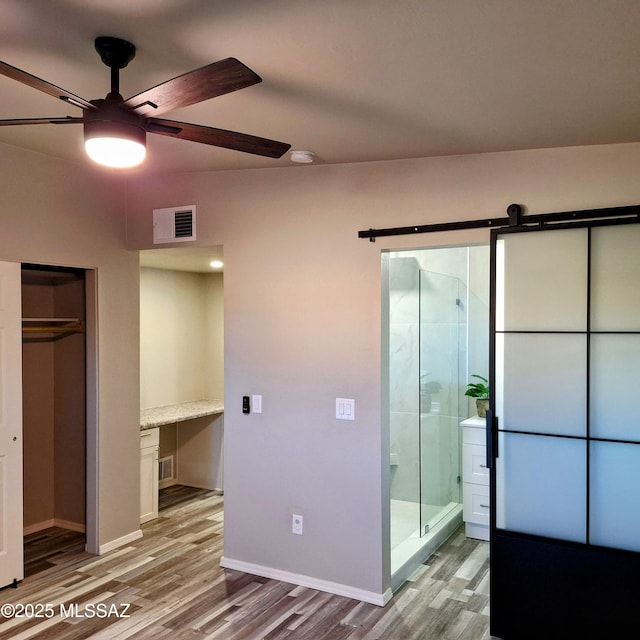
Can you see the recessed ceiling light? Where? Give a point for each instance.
(304, 157)
(216, 264)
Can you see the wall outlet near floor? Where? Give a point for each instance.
(296, 524)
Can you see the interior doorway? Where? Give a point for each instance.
(182, 365)
(437, 334)
(59, 406)
(54, 398)
(59, 424)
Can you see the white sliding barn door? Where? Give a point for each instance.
(564, 434)
(11, 544)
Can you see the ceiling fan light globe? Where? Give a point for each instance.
(115, 152)
(114, 142)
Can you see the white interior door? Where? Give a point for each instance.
(11, 544)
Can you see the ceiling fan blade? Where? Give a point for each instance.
(42, 85)
(212, 80)
(63, 120)
(218, 137)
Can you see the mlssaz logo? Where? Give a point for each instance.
(95, 610)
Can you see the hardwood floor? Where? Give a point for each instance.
(175, 589)
(42, 550)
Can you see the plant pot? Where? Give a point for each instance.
(482, 404)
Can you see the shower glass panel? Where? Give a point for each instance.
(437, 329)
(442, 353)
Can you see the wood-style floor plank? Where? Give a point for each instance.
(175, 589)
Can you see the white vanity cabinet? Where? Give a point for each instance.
(149, 447)
(475, 478)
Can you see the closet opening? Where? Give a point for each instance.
(54, 393)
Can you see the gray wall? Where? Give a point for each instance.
(303, 326)
(302, 320)
(58, 213)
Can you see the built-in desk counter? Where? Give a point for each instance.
(199, 439)
(172, 413)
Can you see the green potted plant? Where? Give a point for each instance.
(427, 389)
(480, 391)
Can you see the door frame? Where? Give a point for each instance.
(11, 436)
(92, 454)
(398, 572)
(92, 446)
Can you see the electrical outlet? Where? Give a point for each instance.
(296, 524)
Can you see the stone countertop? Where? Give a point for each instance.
(474, 421)
(168, 414)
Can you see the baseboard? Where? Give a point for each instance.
(119, 542)
(71, 526)
(200, 485)
(476, 531)
(54, 522)
(372, 597)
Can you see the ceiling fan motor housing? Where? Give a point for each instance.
(109, 120)
(115, 52)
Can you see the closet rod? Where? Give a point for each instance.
(52, 329)
(52, 325)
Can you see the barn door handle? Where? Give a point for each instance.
(489, 437)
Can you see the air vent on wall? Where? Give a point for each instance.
(175, 224)
(165, 471)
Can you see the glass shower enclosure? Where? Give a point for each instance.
(442, 349)
(427, 377)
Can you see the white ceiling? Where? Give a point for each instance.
(182, 259)
(351, 80)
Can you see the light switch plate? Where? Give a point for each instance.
(256, 403)
(345, 409)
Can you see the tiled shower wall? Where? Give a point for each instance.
(440, 427)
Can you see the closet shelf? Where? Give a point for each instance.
(52, 325)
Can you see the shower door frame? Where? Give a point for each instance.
(428, 523)
(407, 553)
(544, 586)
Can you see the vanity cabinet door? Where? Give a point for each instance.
(475, 479)
(149, 446)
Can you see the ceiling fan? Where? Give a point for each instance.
(125, 123)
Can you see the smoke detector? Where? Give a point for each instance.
(303, 157)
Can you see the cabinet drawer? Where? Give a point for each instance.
(150, 438)
(476, 503)
(474, 464)
(474, 435)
